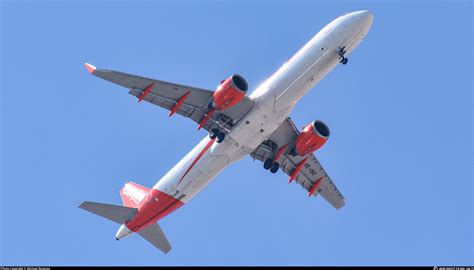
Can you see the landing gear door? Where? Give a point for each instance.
(171, 189)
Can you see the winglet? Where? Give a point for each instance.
(90, 68)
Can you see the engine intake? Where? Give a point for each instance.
(230, 92)
(239, 82)
(311, 138)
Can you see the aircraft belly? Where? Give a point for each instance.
(212, 163)
(295, 79)
(324, 59)
(208, 170)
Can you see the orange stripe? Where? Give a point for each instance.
(204, 150)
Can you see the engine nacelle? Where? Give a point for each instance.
(311, 138)
(229, 92)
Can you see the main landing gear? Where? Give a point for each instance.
(271, 165)
(276, 152)
(341, 52)
(215, 133)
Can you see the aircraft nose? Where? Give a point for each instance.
(363, 19)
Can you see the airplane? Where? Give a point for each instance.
(239, 125)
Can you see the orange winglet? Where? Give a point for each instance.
(179, 103)
(90, 68)
(147, 90)
(297, 170)
(206, 118)
(315, 186)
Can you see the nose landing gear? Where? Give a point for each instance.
(341, 52)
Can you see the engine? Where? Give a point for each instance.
(229, 92)
(311, 138)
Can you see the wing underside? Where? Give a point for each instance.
(166, 95)
(310, 173)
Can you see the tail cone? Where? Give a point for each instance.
(122, 232)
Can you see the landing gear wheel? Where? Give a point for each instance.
(220, 137)
(341, 52)
(267, 165)
(275, 167)
(213, 134)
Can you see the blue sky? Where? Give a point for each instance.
(400, 115)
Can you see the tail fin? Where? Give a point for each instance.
(133, 194)
(155, 236)
(116, 213)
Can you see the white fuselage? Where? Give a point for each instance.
(273, 102)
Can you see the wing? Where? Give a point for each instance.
(191, 102)
(312, 176)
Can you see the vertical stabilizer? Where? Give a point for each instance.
(133, 194)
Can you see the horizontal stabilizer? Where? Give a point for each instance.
(118, 214)
(156, 237)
